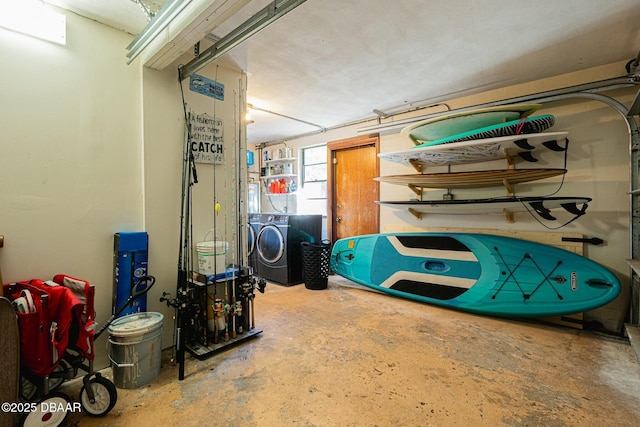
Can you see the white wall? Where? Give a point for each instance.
(77, 165)
(598, 167)
(70, 156)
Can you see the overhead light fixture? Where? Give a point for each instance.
(159, 22)
(33, 18)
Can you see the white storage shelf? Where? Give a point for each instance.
(289, 177)
(279, 176)
(279, 161)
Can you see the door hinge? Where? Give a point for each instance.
(335, 160)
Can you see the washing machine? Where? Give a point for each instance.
(252, 236)
(278, 245)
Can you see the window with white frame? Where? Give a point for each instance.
(314, 180)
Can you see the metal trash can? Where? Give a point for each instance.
(315, 264)
(135, 349)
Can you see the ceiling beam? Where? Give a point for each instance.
(155, 27)
(266, 16)
(192, 26)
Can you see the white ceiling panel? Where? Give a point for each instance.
(333, 61)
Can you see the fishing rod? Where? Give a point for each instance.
(239, 218)
(219, 310)
(180, 303)
(242, 250)
(174, 303)
(234, 311)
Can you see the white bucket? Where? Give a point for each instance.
(135, 349)
(212, 257)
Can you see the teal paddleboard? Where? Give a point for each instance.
(479, 273)
(527, 125)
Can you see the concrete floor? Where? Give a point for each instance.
(350, 357)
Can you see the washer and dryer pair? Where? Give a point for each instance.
(274, 244)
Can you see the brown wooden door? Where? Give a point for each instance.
(353, 210)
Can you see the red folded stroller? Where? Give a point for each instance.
(56, 320)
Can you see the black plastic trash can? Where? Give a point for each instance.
(315, 264)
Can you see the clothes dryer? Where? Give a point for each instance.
(278, 245)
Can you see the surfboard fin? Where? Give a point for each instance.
(526, 155)
(554, 146)
(574, 209)
(524, 144)
(542, 211)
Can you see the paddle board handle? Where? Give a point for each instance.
(593, 240)
(599, 283)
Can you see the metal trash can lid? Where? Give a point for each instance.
(136, 324)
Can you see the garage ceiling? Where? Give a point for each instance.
(330, 62)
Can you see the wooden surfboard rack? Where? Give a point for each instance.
(508, 177)
(415, 213)
(510, 216)
(509, 186)
(416, 165)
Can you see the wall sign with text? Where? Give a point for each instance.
(206, 140)
(206, 87)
